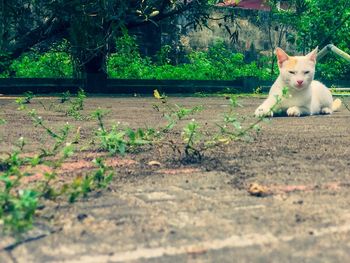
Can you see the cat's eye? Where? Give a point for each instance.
(306, 72)
(292, 72)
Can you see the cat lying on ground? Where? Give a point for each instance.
(305, 95)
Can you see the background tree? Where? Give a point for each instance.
(307, 24)
(325, 22)
(322, 22)
(90, 26)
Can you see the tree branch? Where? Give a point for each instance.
(48, 29)
(163, 16)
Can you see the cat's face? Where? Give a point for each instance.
(297, 72)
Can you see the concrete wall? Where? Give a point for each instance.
(243, 30)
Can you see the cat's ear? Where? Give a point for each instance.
(313, 55)
(281, 56)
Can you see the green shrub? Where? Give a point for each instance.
(127, 63)
(48, 65)
(124, 67)
(218, 63)
(333, 68)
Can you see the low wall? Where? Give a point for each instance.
(123, 86)
(138, 86)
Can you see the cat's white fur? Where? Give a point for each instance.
(305, 95)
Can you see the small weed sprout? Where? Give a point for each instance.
(230, 129)
(257, 90)
(192, 136)
(65, 96)
(17, 209)
(279, 98)
(99, 179)
(59, 137)
(77, 136)
(18, 203)
(26, 99)
(182, 112)
(17, 206)
(28, 96)
(20, 103)
(79, 101)
(173, 112)
(103, 175)
(77, 105)
(119, 140)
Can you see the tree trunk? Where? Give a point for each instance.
(95, 74)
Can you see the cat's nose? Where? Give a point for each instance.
(300, 82)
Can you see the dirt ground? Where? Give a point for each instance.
(196, 212)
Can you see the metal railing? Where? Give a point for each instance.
(331, 48)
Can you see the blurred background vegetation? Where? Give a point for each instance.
(77, 38)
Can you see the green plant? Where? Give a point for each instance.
(17, 209)
(79, 101)
(21, 103)
(192, 136)
(103, 175)
(231, 128)
(17, 206)
(65, 96)
(162, 55)
(127, 62)
(219, 63)
(76, 105)
(173, 112)
(99, 179)
(56, 63)
(59, 137)
(318, 23)
(120, 139)
(26, 99)
(28, 95)
(332, 68)
(20, 201)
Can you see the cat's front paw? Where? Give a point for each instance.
(293, 112)
(326, 110)
(263, 111)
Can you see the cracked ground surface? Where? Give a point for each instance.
(199, 212)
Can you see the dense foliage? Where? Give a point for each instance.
(90, 41)
(90, 26)
(314, 23)
(48, 65)
(218, 63)
(322, 23)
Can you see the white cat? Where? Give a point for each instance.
(305, 95)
